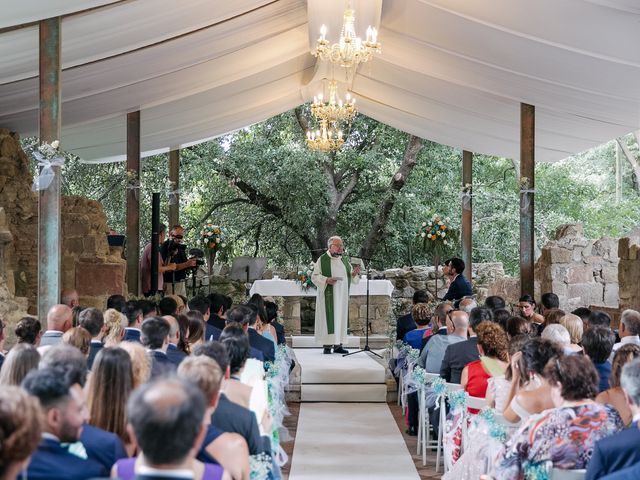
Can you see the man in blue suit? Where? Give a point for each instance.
(133, 311)
(172, 410)
(459, 286)
(619, 453)
(155, 336)
(65, 414)
(201, 304)
(92, 320)
(173, 352)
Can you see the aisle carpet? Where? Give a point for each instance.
(349, 441)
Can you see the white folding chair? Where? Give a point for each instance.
(424, 424)
(451, 387)
(476, 403)
(558, 474)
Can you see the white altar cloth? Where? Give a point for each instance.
(289, 288)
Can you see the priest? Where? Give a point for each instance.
(333, 275)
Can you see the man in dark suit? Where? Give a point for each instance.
(405, 323)
(171, 410)
(229, 416)
(92, 320)
(620, 451)
(155, 336)
(134, 314)
(201, 304)
(459, 286)
(217, 309)
(65, 414)
(173, 352)
(457, 355)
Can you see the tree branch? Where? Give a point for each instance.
(633, 161)
(215, 206)
(386, 206)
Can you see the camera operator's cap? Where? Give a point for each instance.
(177, 299)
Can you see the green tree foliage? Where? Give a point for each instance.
(274, 197)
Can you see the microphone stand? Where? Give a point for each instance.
(366, 347)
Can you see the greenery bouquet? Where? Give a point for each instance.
(303, 277)
(213, 240)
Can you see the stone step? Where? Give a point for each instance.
(308, 341)
(343, 392)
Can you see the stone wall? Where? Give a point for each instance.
(87, 263)
(629, 271)
(580, 271)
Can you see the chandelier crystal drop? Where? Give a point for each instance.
(350, 51)
(334, 110)
(325, 138)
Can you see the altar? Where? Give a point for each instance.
(380, 292)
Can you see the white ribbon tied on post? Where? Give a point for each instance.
(525, 198)
(466, 200)
(43, 180)
(173, 196)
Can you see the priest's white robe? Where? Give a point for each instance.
(340, 303)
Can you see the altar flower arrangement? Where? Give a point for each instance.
(303, 277)
(212, 237)
(436, 234)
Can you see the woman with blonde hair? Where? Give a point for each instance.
(140, 363)
(614, 396)
(20, 360)
(78, 337)
(114, 325)
(575, 327)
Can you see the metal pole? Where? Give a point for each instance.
(133, 202)
(49, 212)
(174, 179)
(155, 240)
(467, 213)
(527, 185)
(618, 173)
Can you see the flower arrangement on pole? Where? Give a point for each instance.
(213, 240)
(437, 237)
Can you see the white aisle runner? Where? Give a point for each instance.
(349, 441)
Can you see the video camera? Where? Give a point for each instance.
(198, 254)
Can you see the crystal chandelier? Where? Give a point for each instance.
(350, 50)
(325, 139)
(335, 110)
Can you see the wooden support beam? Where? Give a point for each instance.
(174, 179)
(467, 213)
(133, 202)
(618, 173)
(49, 212)
(527, 185)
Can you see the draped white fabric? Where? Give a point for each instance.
(452, 71)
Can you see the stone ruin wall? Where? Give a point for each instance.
(87, 264)
(629, 271)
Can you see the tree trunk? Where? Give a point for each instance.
(386, 206)
(633, 161)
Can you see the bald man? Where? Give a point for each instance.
(173, 352)
(59, 320)
(70, 298)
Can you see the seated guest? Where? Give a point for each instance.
(493, 347)
(467, 304)
(406, 323)
(140, 362)
(20, 360)
(620, 451)
(227, 449)
(229, 416)
(99, 445)
(155, 336)
(598, 342)
(499, 388)
(272, 317)
(237, 344)
(80, 338)
(93, 321)
(70, 298)
(433, 352)
(218, 307)
(615, 396)
(552, 316)
(548, 302)
(20, 430)
(527, 309)
(167, 306)
(457, 355)
(459, 286)
(64, 415)
(629, 329)
(584, 313)
(134, 313)
(195, 329)
(117, 302)
(422, 316)
(599, 318)
(559, 335)
(175, 354)
(517, 325)
(566, 435)
(28, 330)
(440, 323)
(501, 316)
(574, 326)
(59, 320)
(262, 326)
(165, 419)
(495, 302)
(115, 324)
(109, 388)
(201, 304)
(247, 317)
(530, 392)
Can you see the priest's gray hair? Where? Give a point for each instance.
(333, 239)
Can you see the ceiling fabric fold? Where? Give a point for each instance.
(451, 71)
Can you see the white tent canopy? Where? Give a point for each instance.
(452, 71)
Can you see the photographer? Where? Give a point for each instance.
(173, 251)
